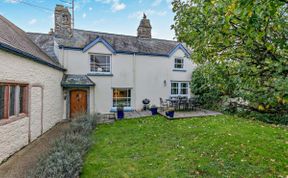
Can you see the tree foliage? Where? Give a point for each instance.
(247, 40)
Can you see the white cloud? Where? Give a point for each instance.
(84, 15)
(90, 8)
(12, 1)
(32, 21)
(148, 12)
(116, 5)
(156, 2)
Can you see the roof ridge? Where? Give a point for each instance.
(107, 33)
(37, 33)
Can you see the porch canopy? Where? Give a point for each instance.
(72, 81)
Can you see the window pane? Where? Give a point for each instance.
(184, 85)
(174, 85)
(2, 94)
(22, 99)
(174, 88)
(121, 97)
(100, 63)
(184, 88)
(178, 63)
(12, 101)
(174, 91)
(184, 91)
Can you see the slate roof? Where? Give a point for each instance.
(70, 80)
(120, 43)
(45, 42)
(15, 40)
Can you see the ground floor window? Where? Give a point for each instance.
(179, 89)
(121, 97)
(13, 100)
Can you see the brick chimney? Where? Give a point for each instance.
(63, 28)
(144, 29)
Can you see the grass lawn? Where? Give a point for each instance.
(220, 146)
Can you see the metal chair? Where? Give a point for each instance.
(163, 104)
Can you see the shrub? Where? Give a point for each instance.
(265, 117)
(211, 84)
(65, 158)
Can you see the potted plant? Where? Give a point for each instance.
(153, 110)
(120, 112)
(170, 112)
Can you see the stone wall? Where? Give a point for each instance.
(14, 135)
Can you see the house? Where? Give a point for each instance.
(45, 78)
(111, 69)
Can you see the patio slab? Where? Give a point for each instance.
(189, 114)
(137, 114)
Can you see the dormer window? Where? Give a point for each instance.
(179, 63)
(100, 63)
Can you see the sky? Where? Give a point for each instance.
(111, 16)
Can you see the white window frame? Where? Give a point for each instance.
(179, 87)
(127, 97)
(182, 64)
(101, 72)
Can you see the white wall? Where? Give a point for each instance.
(144, 74)
(151, 72)
(14, 68)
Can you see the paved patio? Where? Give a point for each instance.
(189, 114)
(137, 114)
(177, 114)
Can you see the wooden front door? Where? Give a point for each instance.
(78, 102)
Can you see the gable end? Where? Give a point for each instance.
(99, 40)
(181, 47)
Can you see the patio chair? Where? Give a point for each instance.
(194, 103)
(163, 104)
(183, 103)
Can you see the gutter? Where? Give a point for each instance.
(21, 53)
(117, 52)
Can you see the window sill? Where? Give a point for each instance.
(179, 70)
(100, 74)
(126, 109)
(12, 119)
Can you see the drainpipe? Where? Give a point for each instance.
(134, 79)
(63, 57)
(29, 108)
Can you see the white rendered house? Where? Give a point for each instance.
(111, 69)
(46, 78)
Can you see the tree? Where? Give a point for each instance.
(248, 36)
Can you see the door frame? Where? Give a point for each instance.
(68, 90)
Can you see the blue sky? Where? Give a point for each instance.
(113, 16)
